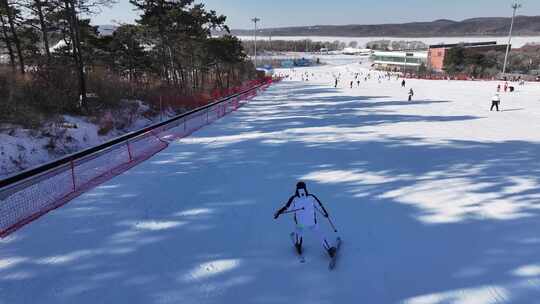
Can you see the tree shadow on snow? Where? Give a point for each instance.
(423, 221)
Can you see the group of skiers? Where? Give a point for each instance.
(496, 99)
(506, 87)
(357, 77)
(411, 92)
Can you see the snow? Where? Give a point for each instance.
(437, 201)
(21, 149)
(517, 41)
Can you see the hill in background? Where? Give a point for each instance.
(491, 26)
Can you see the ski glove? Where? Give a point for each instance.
(276, 215)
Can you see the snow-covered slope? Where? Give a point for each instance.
(437, 201)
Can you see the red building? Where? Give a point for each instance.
(437, 53)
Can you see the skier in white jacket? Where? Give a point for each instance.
(495, 102)
(305, 207)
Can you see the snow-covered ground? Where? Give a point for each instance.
(517, 41)
(437, 201)
(21, 149)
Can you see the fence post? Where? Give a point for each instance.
(160, 108)
(129, 151)
(73, 174)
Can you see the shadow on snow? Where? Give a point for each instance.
(422, 221)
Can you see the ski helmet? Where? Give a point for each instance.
(301, 185)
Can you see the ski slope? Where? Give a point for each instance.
(437, 201)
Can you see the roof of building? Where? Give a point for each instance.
(402, 54)
(465, 44)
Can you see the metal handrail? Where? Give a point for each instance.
(21, 176)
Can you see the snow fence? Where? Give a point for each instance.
(24, 201)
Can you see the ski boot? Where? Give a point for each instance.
(332, 252)
(298, 247)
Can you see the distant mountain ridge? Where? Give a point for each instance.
(485, 26)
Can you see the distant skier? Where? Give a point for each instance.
(411, 94)
(351, 84)
(498, 88)
(495, 101)
(336, 83)
(358, 83)
(305, 207)
(506, 86)
(403, 83)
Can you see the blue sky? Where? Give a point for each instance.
(277, 13)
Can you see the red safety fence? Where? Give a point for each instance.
(447, 77)
(25, 198)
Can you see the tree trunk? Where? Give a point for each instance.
(14, 35)
(218, 77)
(165, 60)
(8, 43)
(44, 31)
(76, 44)
(229, 78)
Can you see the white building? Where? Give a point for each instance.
(399, 61)
(357, 52)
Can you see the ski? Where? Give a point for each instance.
(333, 261)
(301, 257)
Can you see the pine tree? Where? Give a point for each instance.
(12, 13)
(5, 38)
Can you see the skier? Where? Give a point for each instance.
(495, 101)
(411, 94)
(403, 83)
(336, 83)
(498, 87)
(351, 84)
(305, 207)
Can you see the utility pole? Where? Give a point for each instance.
(255, 20)
(270, 41)
(515, 6)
